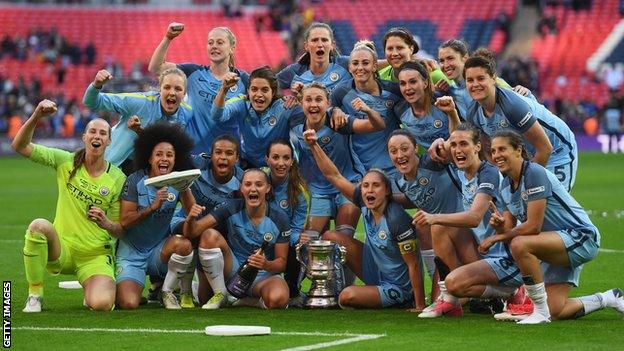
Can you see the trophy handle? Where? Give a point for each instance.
(343, 253)
(298, 252)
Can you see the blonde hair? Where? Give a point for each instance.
(174, 71)
(365, 45)
(231, 39)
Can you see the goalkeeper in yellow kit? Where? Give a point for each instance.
(79, 240)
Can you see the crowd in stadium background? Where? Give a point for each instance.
(47, 47)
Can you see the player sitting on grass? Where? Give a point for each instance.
(248, 222)
(553, 229)
(493, 275)
(79, 240)
(388, 261)
(146, 213)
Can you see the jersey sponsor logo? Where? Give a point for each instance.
(406, 234)
(272, 120)
(423, 181)
(325, 139)
(486, 186)
(438, 123)
(382, 235)
(334, 77)
(526, 118)
(82, 196)
(268, 236)
(504, 123)
(104, 191)
(171, 197)
(284, 204)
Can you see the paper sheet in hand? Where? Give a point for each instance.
(179, 180)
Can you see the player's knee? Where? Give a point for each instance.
(209, 239)
(101, 303)
(276, 299)
(518, 246)
(182, 246)
(41, 226)
(347, 297)
(128, 303)
(453, 285)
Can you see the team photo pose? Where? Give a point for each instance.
(204, 82)
(78, 241)
(218, 183)
(146, 213)
(493, 275)
(399, 46)
(420, 113)
(320, 63)
(432, 187)
(138, 110)
(261, 117)
(230, 236)
(291, 194)
(388, 262)
(366, 88)
(553, 229)
(326, 202)
(547, 137)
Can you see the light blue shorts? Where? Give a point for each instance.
(392, 295)
(132, 264)
(327, 205)
(581, 247)
(506, 270)
(566, 173)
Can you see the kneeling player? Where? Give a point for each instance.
(554, 229)
(146, 213)
(78, 242)
(248, 222)
(388, 262)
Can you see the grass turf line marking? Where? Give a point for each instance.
(335, 343)
(352, 337)
(611, 251)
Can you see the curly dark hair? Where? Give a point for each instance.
(163, 132)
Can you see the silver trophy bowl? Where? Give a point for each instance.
(319, 267)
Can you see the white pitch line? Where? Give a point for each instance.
(335, 343)
(611, 251)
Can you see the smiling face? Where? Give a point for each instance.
(480, 84)
(279, 160)
(397, 51)
(162, 159)
(314, 103)
(505, 156)
(319, 44)
(402, 153)
(254, 187)
(362, 66)
(172, 90)
(96, 137)
(224, 157)
(260, 94)
(374, 191)
(451, 62)
(412, 86)
(463, 149)
(219, 46)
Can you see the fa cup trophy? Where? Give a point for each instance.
(322, 261)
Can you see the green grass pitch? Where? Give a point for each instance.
(29, 191)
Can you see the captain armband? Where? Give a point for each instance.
(408, 246)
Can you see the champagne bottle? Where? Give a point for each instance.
(238, 285)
